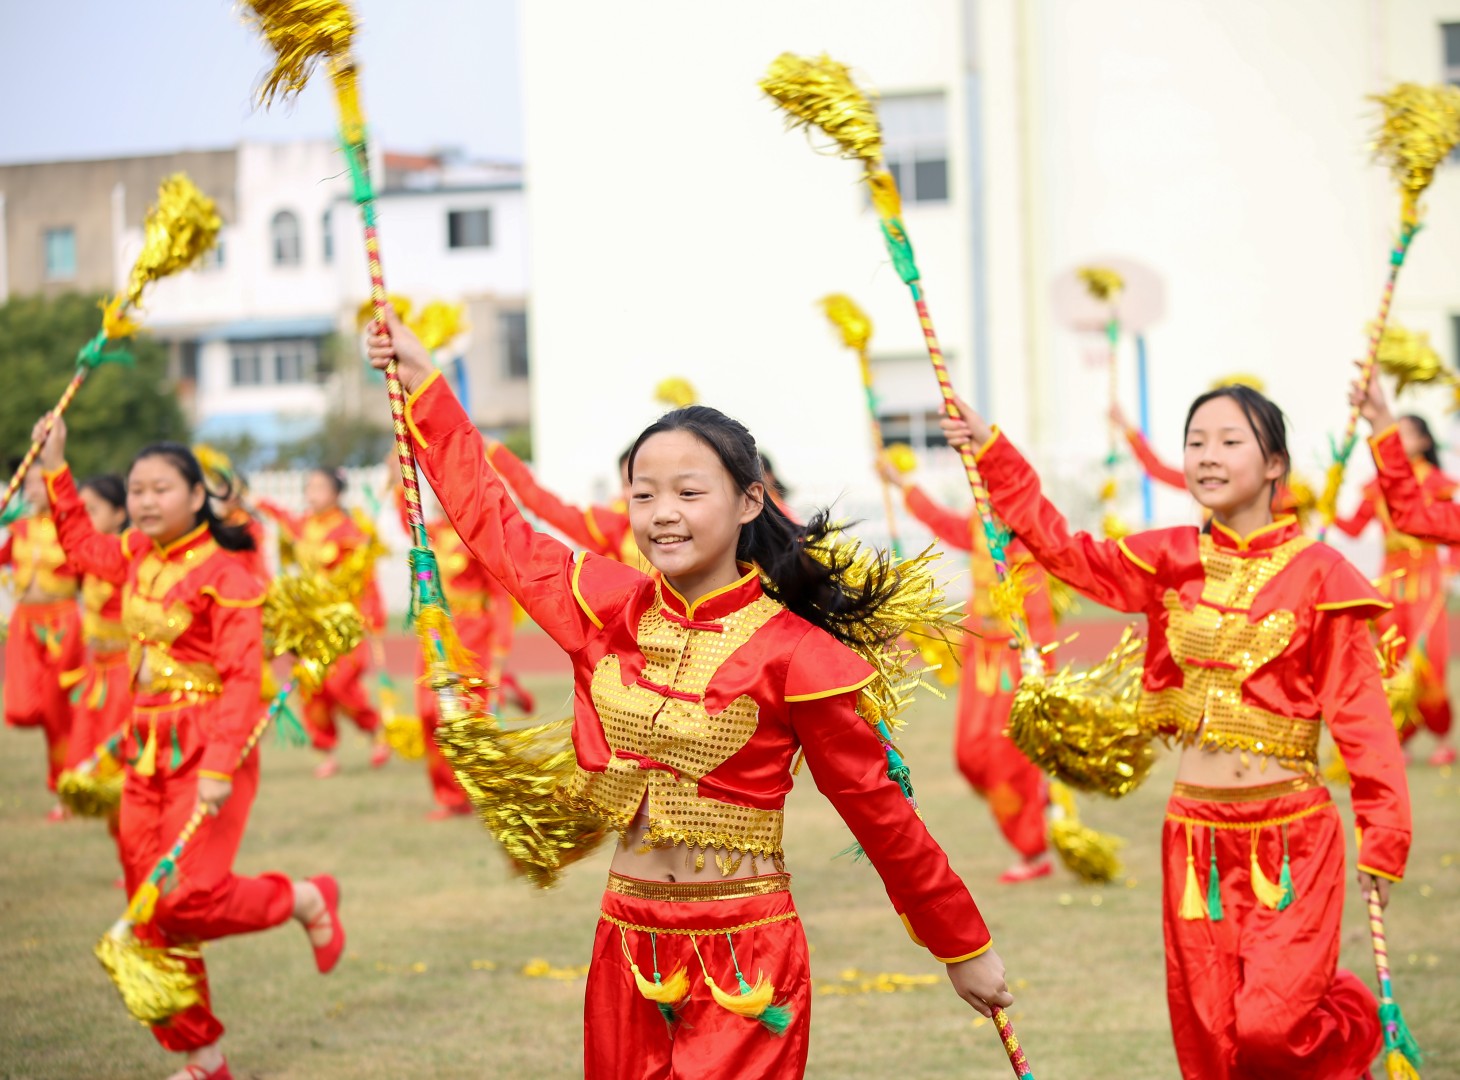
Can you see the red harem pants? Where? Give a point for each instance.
(1419, 614)
(209, 901)
(1257, 993)
(476, 631)
(43, 645)
(746, 924)
(1013, 786)
(343, 691)
(101, 704)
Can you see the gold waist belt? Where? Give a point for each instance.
(1247, 794)
(1232, 726)
(680, 892)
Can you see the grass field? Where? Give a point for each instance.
(454, 969)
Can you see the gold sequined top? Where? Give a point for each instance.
(35, 553)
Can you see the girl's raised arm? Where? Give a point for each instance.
(102, 555)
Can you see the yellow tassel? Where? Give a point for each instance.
(849, 319)
(437, 323)
(115, 321)
(1103, 283)
(885, 198)
(752, 1004)
(820, 93)
(300, 32)
(1252, 382)
(675, 392)
(1399, 1067)
(347, 99)
(901, 457)
(1268, 894)
(182, 225)
(147, 762)
(674, 987)
(1410, 358)
(1193, 904)
(1420, 128)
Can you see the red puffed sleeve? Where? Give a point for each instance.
(1153, 466)
(1411, 509)
(952, 528)
(1362, 515)
(1122, 574)
(569, 597)
(1351, 691)
(7, 550)
(571, 521)
(850, 768)
(236, 617)
(290, 522)
(102, 555)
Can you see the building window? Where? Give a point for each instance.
(513, 326)
(915, 145)
(248, 364)
(290, 362)
(284, 234)
(60, 254)
(187, 361)
(1451, 33)
(469, 228)
(213, 258)
(920, 430)
(329, 239)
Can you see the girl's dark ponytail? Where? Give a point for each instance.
(820, 590)
(228, 537)
(1430, 453)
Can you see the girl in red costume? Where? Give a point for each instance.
(1420, 507)
(1413, 579)
(696, 687)
(1013, 786)
(194, 626)
(324, 540)
(101, 702)
(481, 611)
(1258, 635)
(44, 642)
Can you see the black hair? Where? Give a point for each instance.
(110, 488)
(1430, 453)
(228, 537)
(1268, 424)
(818, 591)
(335, 476)
(623, 459)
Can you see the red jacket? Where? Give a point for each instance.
(321, 542)
(191, 611)
(1254, 641)
(698, 708)
(1421, 509)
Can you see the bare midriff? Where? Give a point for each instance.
(635, 857)
(34, 594)
(1231, 769)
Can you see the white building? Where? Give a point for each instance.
(1223, 145)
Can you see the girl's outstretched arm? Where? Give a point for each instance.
(102, 555)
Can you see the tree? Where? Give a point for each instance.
(118, 410)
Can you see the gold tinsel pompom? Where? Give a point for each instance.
(1006, 597)
(1103, 283)
(1063, 600)
(308, 616)
(1081, 726)
(97, 793)
(675, 392)
(1089, 854)
(155, 983)
(437, 323)
(852, 322)
(216, 465)
(1241, 378)
(901, 457)
(405, 736)
(300, 33)
(937, 654)
(820, 93)
(180, 227)
(1409, 357)
(365, 313)
(1420, 127)
(511, 778)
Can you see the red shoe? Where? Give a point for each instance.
(57, 813)
(329, 767)
(197, 1072)
(379, 754)
(446, 813)
(326, 956)
(1025, 871)
(120, 883)
(521, 699)
(1444, 755)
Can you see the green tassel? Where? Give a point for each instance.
(1285, 880)
(18, 509)
(426, 576)
(776, 1018)
(176, 751)
(1391, 1018)
(1214, 885)
(900, 248)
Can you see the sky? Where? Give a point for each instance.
(103, 78)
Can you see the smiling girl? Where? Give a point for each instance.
(1258, 636)
(696, 686)
(191, 614)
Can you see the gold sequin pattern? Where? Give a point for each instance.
(1217, 646)
(36, 554)
(151, 627)
(102, 634)
(678, 892)
(679, 734)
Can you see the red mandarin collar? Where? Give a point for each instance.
(1279, 532)
(184, 544)
(715, 604)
